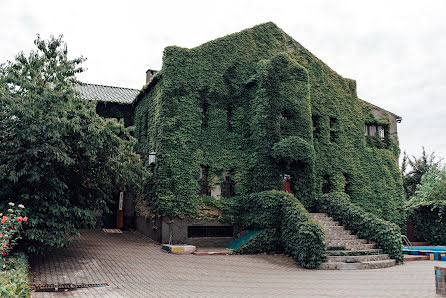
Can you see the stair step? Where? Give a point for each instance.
(320, 216)
(335, 229)
(354, 252)
(329, 223)
(355, 259)
(345, 242)
(329, 237)
(356, 266)
(360, 246)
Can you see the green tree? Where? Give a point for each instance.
(432, 189)
(418, 167)
(57, 156)
(428, 207)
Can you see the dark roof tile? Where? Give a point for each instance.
(107, 93)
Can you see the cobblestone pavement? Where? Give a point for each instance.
(133, 266)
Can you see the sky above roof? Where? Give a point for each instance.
(395, 50)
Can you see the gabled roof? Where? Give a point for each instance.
(107, 93)
(398, 118)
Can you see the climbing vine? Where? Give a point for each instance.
(259, 105)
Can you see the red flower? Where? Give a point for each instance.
(4, 218)
(15, 228)
(25, 218)
(19, 218)
(8, 229)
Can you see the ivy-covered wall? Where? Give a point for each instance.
(259, 105)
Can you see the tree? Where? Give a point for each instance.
(428, 206)
(418, 167)
(57, 156)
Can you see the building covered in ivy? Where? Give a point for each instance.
(256, 111)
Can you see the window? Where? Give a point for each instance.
(347, 186)
(372, 130)
(210, 231)
(204, 185)
(229, 117)
(316, 130)
(326, 185)
(227, 187)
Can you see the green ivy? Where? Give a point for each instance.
(366, 225)
(286, 226)
(259, 104)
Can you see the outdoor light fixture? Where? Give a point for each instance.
(152, 158)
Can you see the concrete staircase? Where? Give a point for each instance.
(346, 251)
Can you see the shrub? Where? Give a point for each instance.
(430, 221)
(366, 225)
(10, 226)
(428, 206)
(286, 226)
(14, 281)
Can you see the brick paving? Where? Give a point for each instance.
(133, 266)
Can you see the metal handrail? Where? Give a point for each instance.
(406, 240)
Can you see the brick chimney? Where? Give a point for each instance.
(149, 74)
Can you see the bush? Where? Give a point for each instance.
(428, 206)
(429, 221)
(10, 226)
(366, 225)
(286, 226)
(14, 281)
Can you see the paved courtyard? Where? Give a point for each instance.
(133, 266)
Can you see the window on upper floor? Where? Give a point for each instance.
(326, 184)
(316, 126)
(229, 117)
(376, 135)
(372, 130)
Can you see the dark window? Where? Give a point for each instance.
(227, 187)
(316, 130)
(229, 117)
(347, 186)
(210, 231)
(204, 185)
(284, 115)
(326, 186)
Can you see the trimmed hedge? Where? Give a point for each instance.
(14, 282)
(387, 235)
(430, 221)
(286, 225)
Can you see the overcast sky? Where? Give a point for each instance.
(395, 50)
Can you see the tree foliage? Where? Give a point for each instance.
(427, 206)
(57, 156)
(417, 168)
